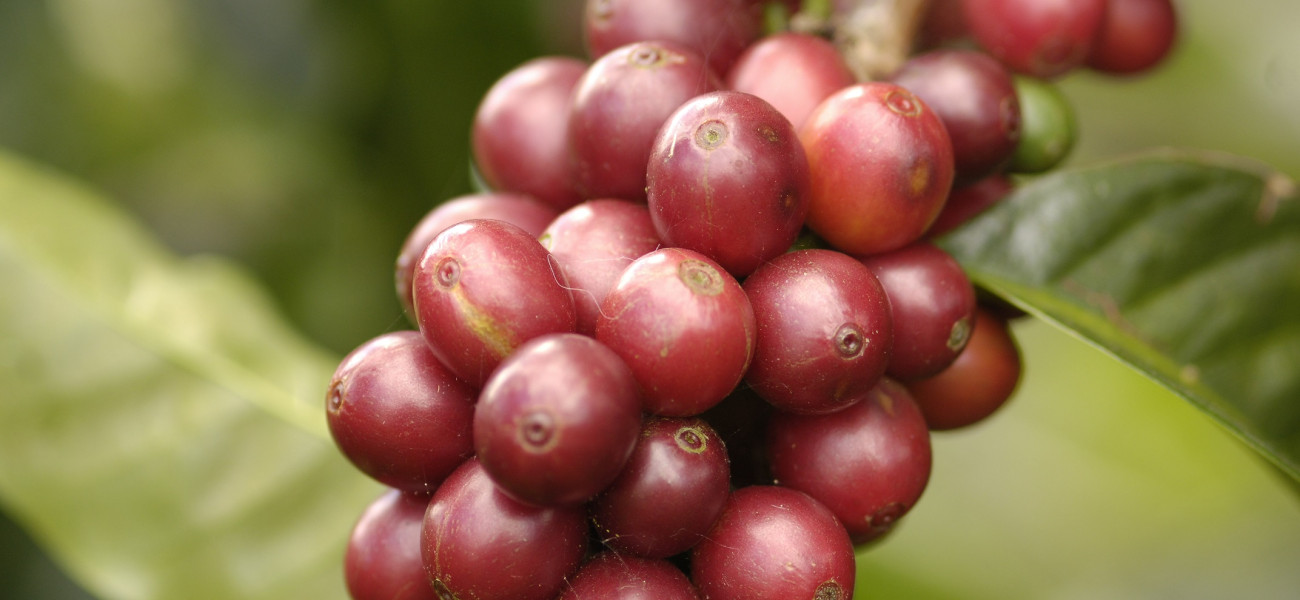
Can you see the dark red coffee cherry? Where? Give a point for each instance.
(824, 331)
(484, 287)
(613, 576)
(716, 29)
(479, 543)
(557, 420)
(868, 464)
(669, 493)
(593, 242)
(617, 110)
(519, 136)
(1041, 38)
(977, 384)
(1135, 36)
(968, 201)
(683, 325)
(975, 97)
(881, 166)
(774, 543)
(382, 561)
(398, 414)
(933, 305)
(794, 72)
(727, 178)
(520, 210)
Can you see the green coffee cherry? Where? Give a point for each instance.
(1048, 129)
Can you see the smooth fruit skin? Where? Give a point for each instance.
(977, 384)
(670, 492)
(774, 543)
(477, 543)
(521, 210)
(382, 560)
(618, 107)
(1041, 38)
(398, 414)
(825, 331)
(869, 463)
(717, 29)
(613, 576)
(975, 97)
(1135, 36)
(1048, 127)
(794, 72)
(484, 287)
(519, 138)
(968, 201)
(593, 242)
(933, 305)
(684, 327)
(728, 178)
(557, 421)
(881, 165)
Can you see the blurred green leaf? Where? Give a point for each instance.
(1185, 265)
(161, 431)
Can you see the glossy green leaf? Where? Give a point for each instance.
(1185, 266)
(161, 430)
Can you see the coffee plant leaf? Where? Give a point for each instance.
(1184, 265)
(162, 429)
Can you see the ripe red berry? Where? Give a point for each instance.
(774, 543)
(398, 414)
(484, 287)
(868, 464)
(479, 543)
(683, 325)
(728, 178)
(557, 421)
(881, 165)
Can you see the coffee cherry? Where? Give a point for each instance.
(868, 464)
(684, 327)
(613, 576)
(727, 178)
(520, 210)
(382, 560)
(977, 384)
(794, 72)
(479, 543)
(670, 492)
(519, 137)
(968, 201)
(593, 242)
(716, 29)
(557, 420)
(398, 414)
(774, 543)
(975, 97)
(825, 331)
(618, 107)
(881, 165)
(484, 287)
(1040, 38)
(933, 307)
(1048, 129)
(1135, 36)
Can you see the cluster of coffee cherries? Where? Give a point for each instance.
(692, 337)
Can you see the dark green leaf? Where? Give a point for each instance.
(161, 430)
(1185, 266)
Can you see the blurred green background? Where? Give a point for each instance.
(304, 138)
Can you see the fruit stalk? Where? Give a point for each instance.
(874, 36)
